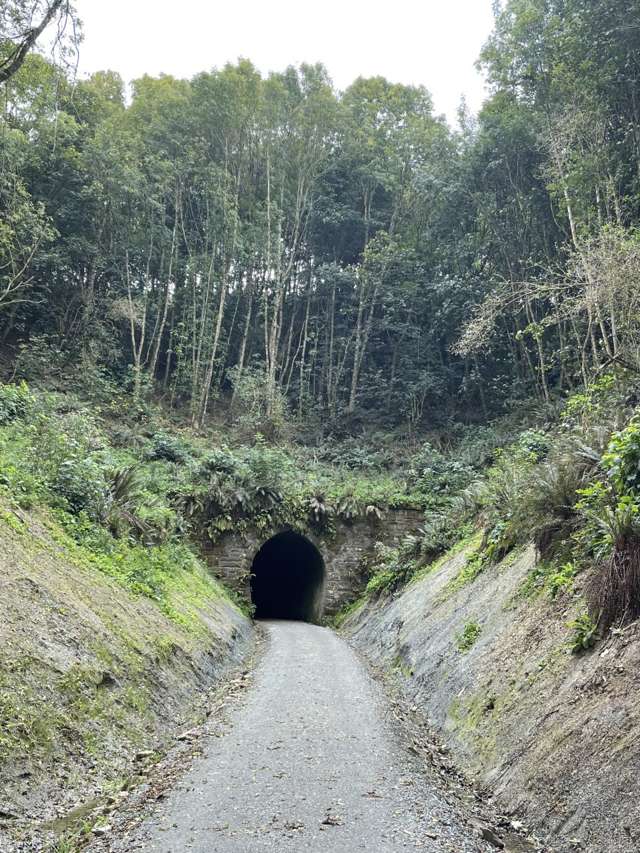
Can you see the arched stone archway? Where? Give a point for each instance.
(341, 550)
(288, 579)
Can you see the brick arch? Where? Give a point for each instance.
(231, 558)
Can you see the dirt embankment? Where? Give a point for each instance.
(552, 734)
(94, 681)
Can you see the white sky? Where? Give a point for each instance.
(429, 42)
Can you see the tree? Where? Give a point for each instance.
(21, 25)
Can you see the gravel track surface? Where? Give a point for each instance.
(311, 761)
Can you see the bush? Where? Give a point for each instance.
(357, 455)
(436, 476)
(532, 491)
(219, 461)
(169, 448)
(533, 445)
(503, 506)
(610, 533)
(622, 459)
(349, 508)
(477, 445)
(468, 637)
(552, 577)
(254, 413)
(438, 534)
(269, 467)
(614, 590)
(393, 567)
(584, 633)
(601, 398)
(15, 401)
(123, 498)
(560, 579)
(550, 504)
(81, 484)
(41, 358)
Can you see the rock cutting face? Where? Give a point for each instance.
(288, 579)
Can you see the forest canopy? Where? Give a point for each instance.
(339, 255)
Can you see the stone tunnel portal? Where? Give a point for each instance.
(287, 579)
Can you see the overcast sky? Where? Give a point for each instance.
(430, 42)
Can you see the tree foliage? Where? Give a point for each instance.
(334, 257)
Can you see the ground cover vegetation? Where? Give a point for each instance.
(247, 299)
(137, 493)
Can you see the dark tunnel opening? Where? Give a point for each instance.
(287, 578)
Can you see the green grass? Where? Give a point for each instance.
(348, 610)
(27, 720)
(476, 563)
(470, 542)
(550, 578)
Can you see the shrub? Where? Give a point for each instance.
(560, 578)
(584, 633)
(468, 637)
(269, 467)
(532, 492)
(56, 438)
(436, 475)
(80, 483)
(127, 508)
(41, 358)
(503, 506)
(622, 459)
(437, 535)
(533, 444)
(614, 590)
(357, 455)
(168, 448)
(592, 406)
(478, 444)
(393, 567)
(15, 401)
(132, 439)
(349, 508)
(254, 412)
(320, 509)
(551, 577)
(221, 460)
(550, 504)
(610, 510)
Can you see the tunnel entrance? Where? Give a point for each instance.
(287, 577)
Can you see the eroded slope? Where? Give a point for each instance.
(552, 733)
(93, 678)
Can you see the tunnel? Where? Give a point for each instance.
(287, 579)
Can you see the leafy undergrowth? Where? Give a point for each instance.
(123, 476)
(572, 488)
(114, 470)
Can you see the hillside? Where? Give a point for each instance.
(550, 735)
(96, 681)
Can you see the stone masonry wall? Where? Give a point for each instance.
(231, 557)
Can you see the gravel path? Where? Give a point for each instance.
(310, 762)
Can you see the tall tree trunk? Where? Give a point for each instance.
(166, 296)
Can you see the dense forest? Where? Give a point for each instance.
(343, 255)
